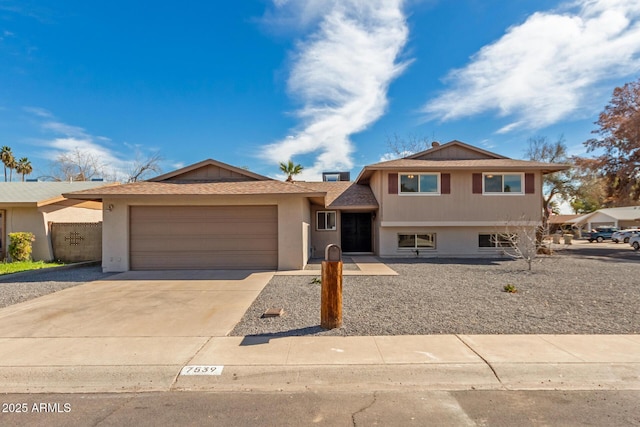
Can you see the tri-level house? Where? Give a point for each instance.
(452, 200)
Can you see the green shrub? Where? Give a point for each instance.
(510, 289)
(20, 246)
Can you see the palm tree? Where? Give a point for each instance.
(24, 167)
(12, 166)
(290, 170)
(7, 159)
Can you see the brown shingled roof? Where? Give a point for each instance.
(344, 194)
(176, 188)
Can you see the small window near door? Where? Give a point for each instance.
(326, 220)
(417, 241)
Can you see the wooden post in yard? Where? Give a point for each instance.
(331, 299)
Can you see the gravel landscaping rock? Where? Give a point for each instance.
(563, 294)
(24, 286)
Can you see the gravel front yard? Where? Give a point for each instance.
(28, 285)
(563, 294)
(592, 292)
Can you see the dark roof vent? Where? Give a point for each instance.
(435, 144)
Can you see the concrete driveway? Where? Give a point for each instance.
(149, 304)
(142, 326)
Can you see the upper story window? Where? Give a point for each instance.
(419, 183)
(326, 220)
(499, 183)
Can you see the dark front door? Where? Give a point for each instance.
(356, 232)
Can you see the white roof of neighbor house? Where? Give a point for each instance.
(41, 193)
(628, 213)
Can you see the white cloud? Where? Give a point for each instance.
(545, 69)
(65, 138)
(37, 111)
(340, 75)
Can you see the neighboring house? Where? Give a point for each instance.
(32, 206)
(625, 217)
(450, 200)
(561, 223)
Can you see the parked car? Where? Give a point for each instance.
(635, 242)
(624, 235)
(600, 234)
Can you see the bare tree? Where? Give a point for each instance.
(522, 239)
(142, 167)
(560, 184)
(77, 165)
(406, 146)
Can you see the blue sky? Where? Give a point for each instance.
(324, 82)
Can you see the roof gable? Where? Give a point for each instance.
(626, 213)
(455, 150)
(209, 171)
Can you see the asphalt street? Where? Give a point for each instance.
(331, 408)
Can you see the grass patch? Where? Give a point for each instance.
(15, 267)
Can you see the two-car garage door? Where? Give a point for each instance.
(203, 237)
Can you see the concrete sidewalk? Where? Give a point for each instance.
(138, 331)
(442, 362)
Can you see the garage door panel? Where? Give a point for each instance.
(190, 230)
(199, 213)
(237, 244)
(196, 260)
(203, 237)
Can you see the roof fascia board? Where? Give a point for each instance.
(98, 197)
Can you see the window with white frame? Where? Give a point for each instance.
(417, 241)
(496, 240)
(501, 183)
(419, 183)
(326, 220)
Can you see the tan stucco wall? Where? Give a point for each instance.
(28, 219)
(321, 238)
(457, 218)
(36, 220)
(461, 206)
(450, 241)
(293, 222)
